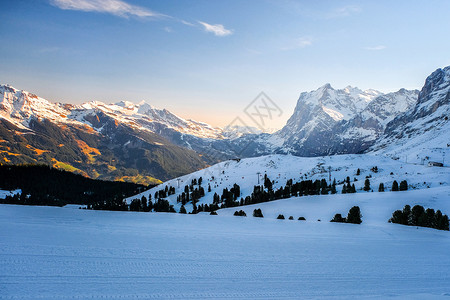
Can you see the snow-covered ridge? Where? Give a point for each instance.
(340, 104)
(280, 168)
(19, 107)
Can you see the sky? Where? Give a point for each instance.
(208, 59)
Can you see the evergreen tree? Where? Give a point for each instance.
(358, 172)
(367, 185)
(354, 215)
(240, 213)
(395, 186)
(416, 215)
(333, 187)
(144, 203)
(338, 218)
(182, 210)
(257, 213)
(381, 187)
(267, 183)
(403, 185)
(280, 217)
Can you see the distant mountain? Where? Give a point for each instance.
(115, 142)
(143, 144)
(329, 121)
(422, 133)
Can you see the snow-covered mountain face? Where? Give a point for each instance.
(325, 121)
(121, 141)
(19, 107)
(422, 133)
(328, 121)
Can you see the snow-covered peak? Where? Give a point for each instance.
(339, 104)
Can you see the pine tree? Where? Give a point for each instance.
(395, 186)
(333, 187)
(257, 213)
(358, 172)
(182, 210)
(381, 187)
(403, 185)
(354, 215)
(367, 185)
(338, 218)
(415, 218)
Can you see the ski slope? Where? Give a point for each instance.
(280, 168)
(66, 253)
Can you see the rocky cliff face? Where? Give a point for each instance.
(329, 121)
(423, 130)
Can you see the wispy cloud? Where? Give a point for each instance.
(299, 43)
(345, 11)
(375, 48)
(187, 23)
(123, 9)
(217, 29)
(115, 7)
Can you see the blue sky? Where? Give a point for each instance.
(207, 60)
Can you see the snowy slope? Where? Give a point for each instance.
(280, 168)
(64, 253)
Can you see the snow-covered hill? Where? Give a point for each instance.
(279, 168)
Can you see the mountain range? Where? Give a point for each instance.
(140, 143)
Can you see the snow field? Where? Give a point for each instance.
(66, 253)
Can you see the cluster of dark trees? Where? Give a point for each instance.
(192, 192)
(354, 216)
(144, 205)
(418, 216)
(395, 187)
(347, 188)
(240, 213)
(281, 217)
(163, 193)
(257, 213)
(43, 185)
(265, 193)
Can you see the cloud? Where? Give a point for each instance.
(168, 29)
(115, 7)
(375, 48)
(299, 43)
(345, 11)
(187, 23)
(217, 29)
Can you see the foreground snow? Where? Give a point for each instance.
(61, 253)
